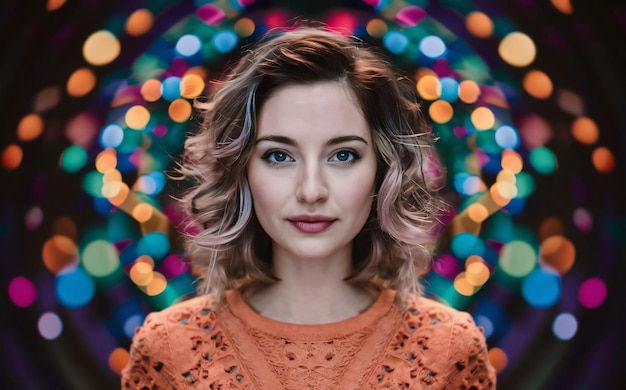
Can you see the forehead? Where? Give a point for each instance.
(324, 108)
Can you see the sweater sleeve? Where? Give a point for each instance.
(468, 354)
(150, 365)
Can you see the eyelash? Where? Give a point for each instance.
(268, 156)
(355, 156)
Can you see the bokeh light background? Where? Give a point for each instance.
(526, 96)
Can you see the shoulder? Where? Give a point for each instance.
(449, 329)
(457, 326)
(440, 345)
(185, 312)
(184, 320)
(427, 313)
(420, 305)
(161, 342)
(186, 316)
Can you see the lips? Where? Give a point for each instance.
(311, 223)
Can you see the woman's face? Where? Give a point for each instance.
(312, 172)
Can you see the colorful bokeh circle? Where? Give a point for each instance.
(523, 99)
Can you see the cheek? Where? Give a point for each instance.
(360, 191)
(265, 192)
(257, 189)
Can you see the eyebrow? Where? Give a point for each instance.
(290, 141)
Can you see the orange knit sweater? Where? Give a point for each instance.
(425, 346)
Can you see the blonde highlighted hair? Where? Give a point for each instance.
(396, 243)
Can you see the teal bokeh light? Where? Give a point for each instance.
(75, 288)
(73, 159)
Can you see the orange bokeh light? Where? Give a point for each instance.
(151, 90)
(101, 48)
(244, 27)
(106, 160)
(191, 85)
(469, 91)
(53, 5)
(483, 118)
(585, 130)
(511, 161)
(496, 194)
(463, 286)
(429, 87)
(141, 273)
(179, 110)
(118, 360)
(558, 252)
(603, 159)
(157, 285)
(441, 111)
(517, 49)
(117, 194)
(538, 84)
(479, 24)
(81, 82)
(477, 273)
(30, 127)
(550, 226)
(563, 6)
(12, 157)
(498, 359)
(137, 117)
(142, 212)
(139, 22)
(65, 226)
(376, 28)
(57, 252)
(477, 212)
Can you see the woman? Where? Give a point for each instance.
(315, 219)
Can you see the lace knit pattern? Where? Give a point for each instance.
(183, 348)
(311, 364)
(188, 345)
(430, 335)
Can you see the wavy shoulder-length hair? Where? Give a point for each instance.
(395, 246)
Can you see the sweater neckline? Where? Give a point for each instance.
(240, 309)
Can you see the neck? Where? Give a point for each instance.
(302, 305)
(311, 291)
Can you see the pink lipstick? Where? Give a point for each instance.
(311, 223)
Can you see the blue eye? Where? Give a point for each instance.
(345, 156)
(277, 157)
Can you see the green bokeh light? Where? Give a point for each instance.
(100, 258)
(155, 245)
(525, 184)
(466, 244)
(543, 160)
(73, 159)
(517, 258)
(92, 184)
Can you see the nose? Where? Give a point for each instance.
(312, 186)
